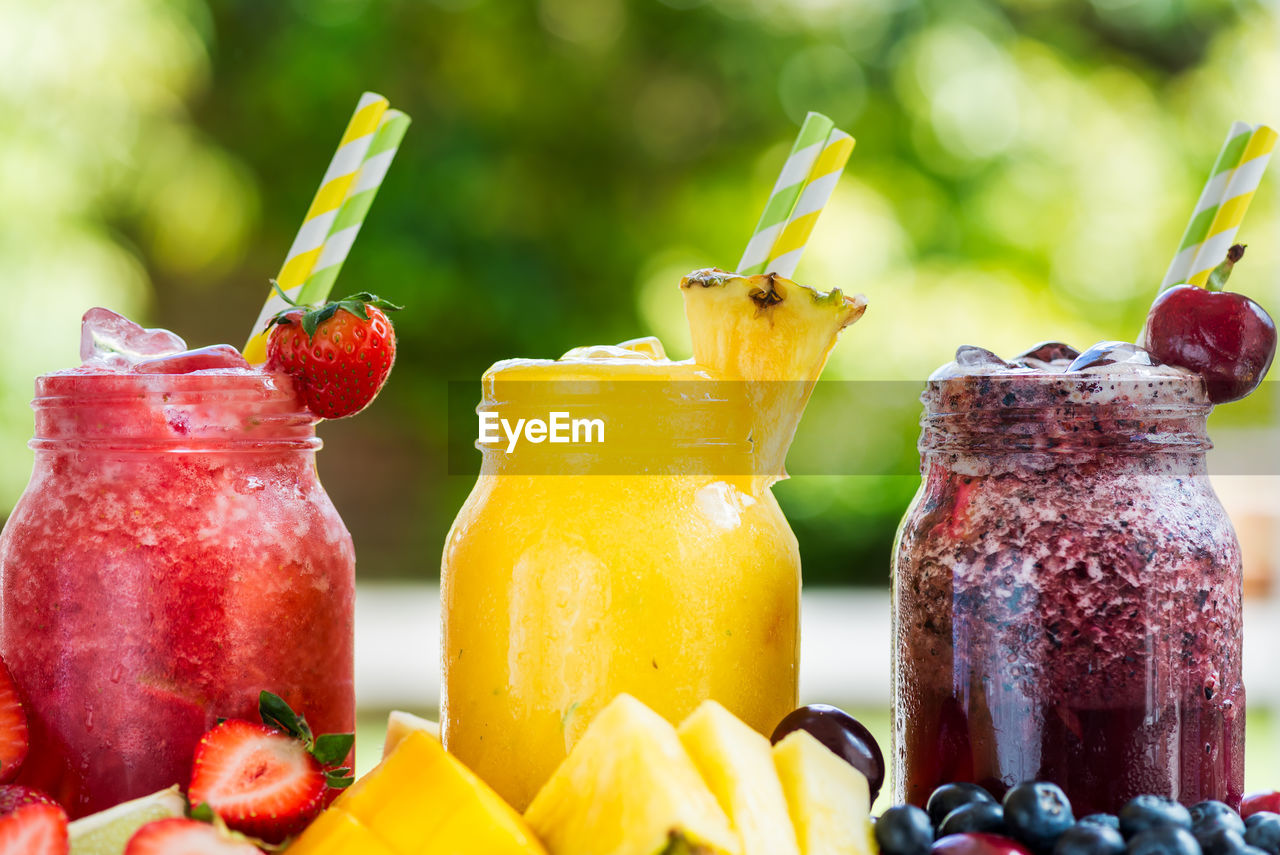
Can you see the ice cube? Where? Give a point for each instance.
(1112, 353)
(1049, 351)
(113, 338)
(968, 356)
(201, 359)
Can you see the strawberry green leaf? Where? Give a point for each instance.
(339, 782)
(203, 813)
(372, 300)
(277, 713)
(333, 748)
(355, 307)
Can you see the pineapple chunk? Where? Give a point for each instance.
(828, 799)
(629, 788)
(773, 333)
(414, 800)
(400, 724)
(737, 765)
(336, 832)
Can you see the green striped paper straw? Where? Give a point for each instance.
(786, 192)
(346, 225)
(1211, 197)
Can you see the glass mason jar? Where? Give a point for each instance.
(1067, 594)
(654, 563)
(173, 555)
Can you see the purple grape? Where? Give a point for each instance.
(843, 734)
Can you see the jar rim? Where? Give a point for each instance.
(212, 411)
(1050, 412)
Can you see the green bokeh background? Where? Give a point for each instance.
(1023, 171)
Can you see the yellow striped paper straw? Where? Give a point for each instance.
(826, 171)
(337, 180)
(1207, 205)
(1235, 202)
(346, 225)
(786, 192)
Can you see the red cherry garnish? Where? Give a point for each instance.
(1223, 336)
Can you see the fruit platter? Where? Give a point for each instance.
(620, 591)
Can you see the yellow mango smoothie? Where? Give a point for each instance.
(642, 550)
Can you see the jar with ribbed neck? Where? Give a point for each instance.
(655, 562)
(1067, 592)
(173, 555)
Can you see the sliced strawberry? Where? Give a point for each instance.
(14, 796)
(260, 781)
(13, 727)
(34, 829)
(186, 837)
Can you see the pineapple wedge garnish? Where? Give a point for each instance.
(737, 764)
(828, 799)
(629, 788)
(773, 333)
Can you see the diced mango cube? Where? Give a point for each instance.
(483, 824)
(336, 832)
(423, 801)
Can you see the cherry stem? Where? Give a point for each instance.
(1218, 278)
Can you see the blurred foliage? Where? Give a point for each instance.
(1024, 169)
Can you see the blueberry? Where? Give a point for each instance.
(1087, 838)
(948, 797)
(1263, 831)
(975, 816)
(1221, 841)
(1110, 820)
(1037, 813)
(904, 830)
(1145, 812)
(1163, 840)
(1211, 815)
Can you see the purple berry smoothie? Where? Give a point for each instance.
(1067, 588)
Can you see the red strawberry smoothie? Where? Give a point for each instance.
(173, 555)
(1067, 589)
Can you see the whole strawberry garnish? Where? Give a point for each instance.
(1223, 336)
(339, 354)
(13, 727)
(268, 780)
(35, 829)
(14, 796)
(176, 836)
